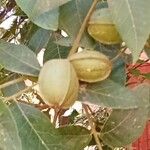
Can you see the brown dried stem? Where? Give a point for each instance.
(57, 111)
(118, 55)
(92, 125)
(82, 29)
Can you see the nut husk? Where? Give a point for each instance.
(58, 83)
(91, 66)
(102, 28)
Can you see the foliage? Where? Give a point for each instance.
(26, 121)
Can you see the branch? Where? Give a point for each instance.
(94, 132)
(11, 82)
(82, 29)
(19, 93)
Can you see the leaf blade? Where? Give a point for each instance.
(41, 133)
(109, 94)
(19, 59)
(9, 138)
(53, 50)
(125, 126)
(39, 40)
(132, 23)
(43, 13)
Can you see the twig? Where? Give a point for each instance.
(137, 66)
(89, 108)
(82, 29)
(94, 132)
(57, 111)
(19, 93)
(118, 55)
(11, 82)
(39, 106)
(7, 78)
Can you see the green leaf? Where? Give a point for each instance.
(125, 126)
(131, 18)
(14, 88)
(39, 40)
(109, 94)
(74, 137)
(42, 13)
(118, 73)
(53, 50)
(26, 33)
(65, 41)
(36, 131)
(47, 4)
(9, 138)
(72, 15)
(19, 59)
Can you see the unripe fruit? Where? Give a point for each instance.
(102, 28)
(91, 66)
(58, 83)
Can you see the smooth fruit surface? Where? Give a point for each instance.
(102, 28)
(104, 33)
(58, 83)
(91, 66)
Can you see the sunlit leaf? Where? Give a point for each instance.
(109, 94)
(43, 13)
(47, 4)
(125, 126)
(53, 50)
(36, 131)
(39, 40)
(131, 18)
(19, 59)
(9, 138)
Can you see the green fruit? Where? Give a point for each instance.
(102, 28)
(91, 66)
(58, 83)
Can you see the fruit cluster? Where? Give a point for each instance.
(58, 79)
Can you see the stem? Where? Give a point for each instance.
(89, 108)
(39, 106)
(82, 29)
(94, 132)
(8, 77)
(19, 93)
(118, 55)
(11, 82)
(57, 111)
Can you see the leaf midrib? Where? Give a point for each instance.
(27, 120)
